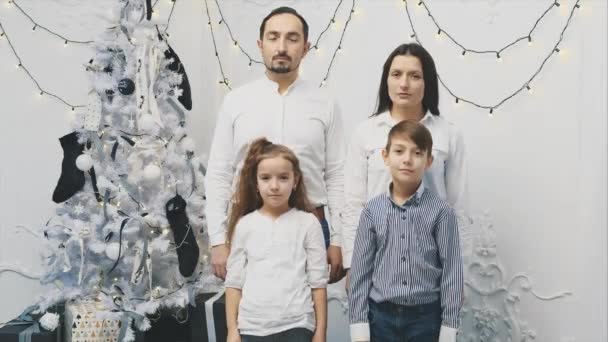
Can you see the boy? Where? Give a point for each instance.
(406, 273)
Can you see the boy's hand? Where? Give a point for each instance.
(233, 336)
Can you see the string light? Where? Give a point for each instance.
(442, 32)
(332, 23)
(217, 55)
(37, 25)
(169, 18)
(21, 66)
(333, 58)
(498, 56)
(529, 89)
(236, 45)
(65, 44)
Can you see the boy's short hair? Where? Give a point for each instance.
(414, 131)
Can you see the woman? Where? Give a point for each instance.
(408, 91)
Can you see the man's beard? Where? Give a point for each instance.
(280, 69)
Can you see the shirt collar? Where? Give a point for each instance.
(275, 86)
(385, 118)
(414, 199)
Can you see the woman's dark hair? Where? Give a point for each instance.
(430, 101)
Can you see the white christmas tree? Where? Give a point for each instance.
(126, 231)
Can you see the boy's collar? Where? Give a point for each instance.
(414, 199)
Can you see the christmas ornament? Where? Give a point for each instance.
(146, 123)
(84, 162)
(151, 172)
(188, 144)
(126, 86)
(112, 250)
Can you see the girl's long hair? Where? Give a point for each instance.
(247, 199)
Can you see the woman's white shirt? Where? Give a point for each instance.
(366, 175)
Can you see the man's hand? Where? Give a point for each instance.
(319, 337)
(334, 259)
(219, 256)
(233, 336)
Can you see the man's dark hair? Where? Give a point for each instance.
(285, 10)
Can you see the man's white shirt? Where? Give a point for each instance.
(305, 119)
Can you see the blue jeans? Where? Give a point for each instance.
(325, 228)
(390, 322)
(291, 335)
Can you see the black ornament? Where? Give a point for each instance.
(110, 94)
(126, 86)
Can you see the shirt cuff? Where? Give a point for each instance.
(217, 239)
(447, 334)
(360, 332)
(347, 258)
(335, 240)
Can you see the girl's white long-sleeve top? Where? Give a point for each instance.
(276, 263)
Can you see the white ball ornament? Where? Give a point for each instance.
(112, 250)
(151, 172)
(151, 220)
(188, 144)
(84, 162)
(146, 122)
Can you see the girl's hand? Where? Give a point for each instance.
(318, 337)
(233, 336)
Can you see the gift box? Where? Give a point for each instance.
(18, 331)
(209, 318)
(29, 330)
(83, 324)
(170, 325)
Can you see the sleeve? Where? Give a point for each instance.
(334, 173)
(316, 256)
(355, 193)
(220, 174)
(456, 173)
(361, 277)
(447, 334)
(452, 278)
(237, 260)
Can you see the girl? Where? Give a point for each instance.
(277, 270)
(408, 91)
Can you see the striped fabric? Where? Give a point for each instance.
(407, 254)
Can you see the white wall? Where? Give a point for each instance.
(538, 166)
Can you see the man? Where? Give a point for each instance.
(288, 111)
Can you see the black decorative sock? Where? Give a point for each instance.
(186, 97)
(148, 9)
(71, 179)
(187, 248)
